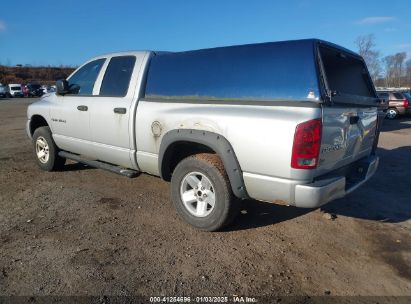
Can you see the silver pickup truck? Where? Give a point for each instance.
(293, 122)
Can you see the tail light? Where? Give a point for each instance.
(306, 146)
(406, 103)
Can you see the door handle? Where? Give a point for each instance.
(120, 110)
(82, 108)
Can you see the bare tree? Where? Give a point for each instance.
(394, 69)
(408, 72)
(399, 67)
(366, 48)
(389, 67)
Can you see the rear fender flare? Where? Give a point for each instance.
(218, 143)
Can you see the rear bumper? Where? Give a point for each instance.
(306, 194)
(401, 110)
(325, 190)
(17, 94)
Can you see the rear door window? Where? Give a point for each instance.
(117, 77)
(398, 96)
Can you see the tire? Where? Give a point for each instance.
(213, 205)
(43, 141)
(392, 113)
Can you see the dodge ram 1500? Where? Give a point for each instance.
(292, 122)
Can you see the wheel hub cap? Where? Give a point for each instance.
(391, 113)
(197, 194)
(42, 150)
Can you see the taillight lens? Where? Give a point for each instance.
(406, 103)
(306, 146)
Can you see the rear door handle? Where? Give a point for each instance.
(82, 108)
(120, 110)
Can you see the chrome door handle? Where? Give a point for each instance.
(120, 110)
(82, 108)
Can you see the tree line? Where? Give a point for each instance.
(43, 75)
(389, 71)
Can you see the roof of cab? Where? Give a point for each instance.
(312, 42)
(123, 53)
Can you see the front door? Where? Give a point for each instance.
(71, 116)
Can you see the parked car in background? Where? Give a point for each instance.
(48, 89)
(4, 91)
(398, 103)
(33, 90)
(15, 90)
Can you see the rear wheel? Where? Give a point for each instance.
(201, 192)
(392, 113)
(46, 150)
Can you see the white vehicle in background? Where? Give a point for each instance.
(15, 90)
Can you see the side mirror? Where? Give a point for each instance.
(62, 87)
(74, 88)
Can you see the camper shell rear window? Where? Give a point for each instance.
(275, 71)
(346, 75)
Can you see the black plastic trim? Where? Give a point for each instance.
(214, 141)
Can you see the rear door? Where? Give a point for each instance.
(350, 117)
(111, 115)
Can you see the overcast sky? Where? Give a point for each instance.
(69, 32)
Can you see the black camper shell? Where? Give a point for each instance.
(306, 72)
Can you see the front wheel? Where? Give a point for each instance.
(202, 194)
(46, 150)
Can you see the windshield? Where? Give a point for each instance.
(15, 88)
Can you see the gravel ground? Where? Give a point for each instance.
(85, 231)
